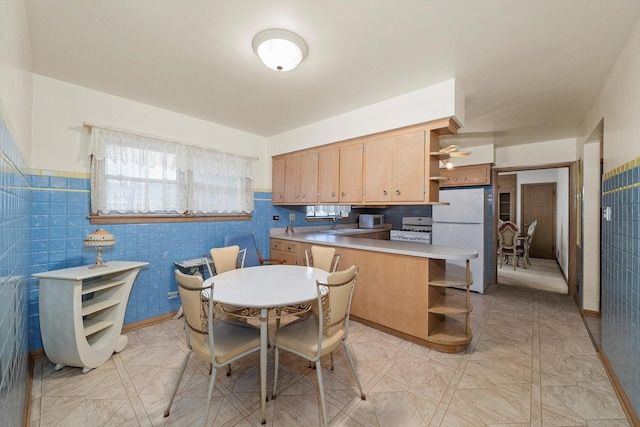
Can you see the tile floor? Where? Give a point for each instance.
(531, 363)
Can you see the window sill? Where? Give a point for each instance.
(146, 219)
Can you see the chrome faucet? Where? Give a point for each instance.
(334, 220)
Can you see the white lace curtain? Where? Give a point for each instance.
(135, 174)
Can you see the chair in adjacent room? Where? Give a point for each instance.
(323, 332)
(525, 242)
(508, 243)
(218, 343)
(322, 257)
(248, 241)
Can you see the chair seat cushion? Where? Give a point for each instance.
(302, 337)
(232, 337)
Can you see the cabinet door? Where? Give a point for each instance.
(351, 160)
(328, 175)
(378, 170)
(277, 181)
(467, 175)
(301, 178)
(395, 168)
(408, 167)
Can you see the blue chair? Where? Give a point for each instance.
(247, 241)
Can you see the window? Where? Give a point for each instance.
(328, 211)
(141, 175)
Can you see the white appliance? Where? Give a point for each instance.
(464, 223)
(414, 229)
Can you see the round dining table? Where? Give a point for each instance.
(265, 290)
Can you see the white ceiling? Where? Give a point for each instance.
(530, 69)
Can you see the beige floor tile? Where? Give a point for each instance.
(531, 362)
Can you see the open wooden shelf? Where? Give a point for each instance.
(449, 309)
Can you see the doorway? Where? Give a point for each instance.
(562, 253)
(539, 204)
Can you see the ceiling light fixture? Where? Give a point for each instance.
(280, 50)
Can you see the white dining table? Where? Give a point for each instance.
(266, 289)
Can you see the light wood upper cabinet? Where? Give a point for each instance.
(395, 168)
(301, 178)
(399, 166)
(462, 176)
(329, 175)
(277, 181)
(351, 174)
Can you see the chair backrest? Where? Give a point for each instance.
(226, 258)
(196, 312)
(530, 230)
(507, 233)
(334, 299)
(323, 257)
(245, 241)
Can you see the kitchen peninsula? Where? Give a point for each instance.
(403, 288)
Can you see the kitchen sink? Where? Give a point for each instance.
(342, 231)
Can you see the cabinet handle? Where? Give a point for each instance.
(384, 192)
(304, 195)
(333, 194)
(398, 192)
(297, 196)
(343, 194)
(464, 179)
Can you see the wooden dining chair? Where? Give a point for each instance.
(218, 343)
(508, 243)
(322, 257)
(525, 242)
(321, 333)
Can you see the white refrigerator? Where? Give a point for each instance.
(464, 223)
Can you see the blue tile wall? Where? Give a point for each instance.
(621, 277)
(60, 207)
(14, 266)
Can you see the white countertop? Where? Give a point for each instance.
(388, 246)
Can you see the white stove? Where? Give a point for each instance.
(414, 229)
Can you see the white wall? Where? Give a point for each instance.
(60, 142)
(591, 227)
(538, 153)
(435, 102)
(619, 104)
(16, 80)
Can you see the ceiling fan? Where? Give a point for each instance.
(450, 151)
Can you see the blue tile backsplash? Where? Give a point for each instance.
(621, 277)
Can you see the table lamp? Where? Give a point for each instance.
(99, 238)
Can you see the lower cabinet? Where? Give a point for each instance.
(449, 308)
(286, 250)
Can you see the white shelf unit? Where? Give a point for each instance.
(449, 310)
(82, 311)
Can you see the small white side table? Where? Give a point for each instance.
(82, 311)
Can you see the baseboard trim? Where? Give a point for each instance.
(26, 414)
(617, 387)
(148, 322)
(590, 313)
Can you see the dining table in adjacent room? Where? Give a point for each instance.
(263, 292)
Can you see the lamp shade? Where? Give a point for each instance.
(280, 50)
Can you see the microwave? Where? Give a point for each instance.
(371, 221)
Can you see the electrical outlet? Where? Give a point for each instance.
(172, 295)
(292, 217)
